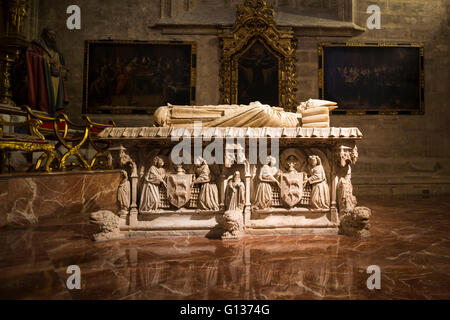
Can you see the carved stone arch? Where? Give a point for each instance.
(255, 22)
(299, 155)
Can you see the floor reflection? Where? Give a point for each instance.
(410, 242)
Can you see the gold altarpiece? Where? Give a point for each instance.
(255, 24)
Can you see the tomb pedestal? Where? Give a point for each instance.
(312, 169)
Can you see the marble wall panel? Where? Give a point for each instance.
(22, 195)
(28, 200)
(88, 193)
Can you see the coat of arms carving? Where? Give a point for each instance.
(179, 189)
(292, 188)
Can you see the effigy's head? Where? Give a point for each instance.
(161, 116)
(315, 103)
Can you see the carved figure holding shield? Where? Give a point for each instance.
(155, 176)
(208, 199)
(320, 193)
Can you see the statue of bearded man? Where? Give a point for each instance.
(47, 74)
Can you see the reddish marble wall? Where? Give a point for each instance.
(34, 198)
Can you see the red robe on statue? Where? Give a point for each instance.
(41, 93)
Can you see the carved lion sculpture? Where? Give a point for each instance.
(356, 222)
(232, 224)
(109, 225)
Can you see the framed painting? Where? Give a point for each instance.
(258, 76)
(372, 78)
(137, 77)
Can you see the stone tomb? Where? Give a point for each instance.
(306, 190)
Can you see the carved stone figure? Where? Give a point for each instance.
(208, 198)
(150, 198)
(109, 225)
(356, 223)
(124, 195)
(47, 74)
(125, 160)
(320, 193)
(313, 114)
(346, 200)
(346, 155)
(267, 177)
(235, 193)
(253, 115)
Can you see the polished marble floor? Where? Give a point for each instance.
(410, 243)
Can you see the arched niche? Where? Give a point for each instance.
(256, 53)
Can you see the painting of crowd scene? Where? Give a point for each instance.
(373, 78)
(137, 77)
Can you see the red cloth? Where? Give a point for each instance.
(49, 125)
(37, 84)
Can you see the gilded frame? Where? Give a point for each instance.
(419, 78)
(89, 44)
(255, 22)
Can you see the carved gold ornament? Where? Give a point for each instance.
(17, 11)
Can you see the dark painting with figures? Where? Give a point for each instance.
(138, 77)
(373, 78)
(258, 76)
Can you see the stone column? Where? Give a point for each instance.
(334, 182)
(248, 204)
(222, 186)
(134, 189)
